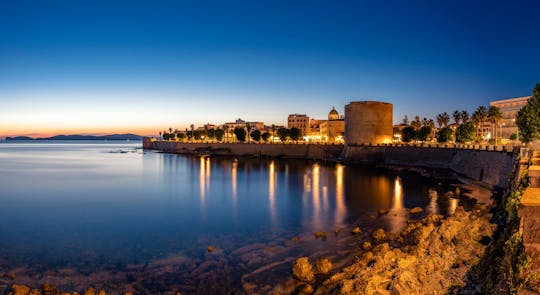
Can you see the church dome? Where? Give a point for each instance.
(333, 115)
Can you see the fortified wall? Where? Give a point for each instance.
(291, 151)
(491, 167)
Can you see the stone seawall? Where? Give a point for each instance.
(291, 151)
(490, 167)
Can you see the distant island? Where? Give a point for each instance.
(127, 136)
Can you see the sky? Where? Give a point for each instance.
(98, 67)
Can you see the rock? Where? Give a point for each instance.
(129, 293)
(90, 291)
(457, 192)
(416, 210)
(379, 236)
(19, 290)
(295, 239)
(323, 266)
(36, 292)
(306, 289)
(49, 289)
(210, 249)
(366, 246)
(337, 231)
(303, 270)
(383, 212)
(101, 292)
(320, 234)
(356, 230)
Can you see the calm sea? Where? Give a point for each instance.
(111, 215)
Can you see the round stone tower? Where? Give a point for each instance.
(368, 122)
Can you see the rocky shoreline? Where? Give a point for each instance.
(433, 255)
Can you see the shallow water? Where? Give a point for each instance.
(110, 215)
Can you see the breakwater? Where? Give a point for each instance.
(490, 166)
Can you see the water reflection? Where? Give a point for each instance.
(150, 200)
(397, 218)
(272, 191)
(433, 207)
(452, 205)
(340, 202)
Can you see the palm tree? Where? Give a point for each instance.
(226, 129)
(248, 127)
(160, 134)
(443, 119)
(192, 132)
(464, 116)
(479, 117)
(494, 116)
(273, 131)
(457, 116)
(416, 124)
(425, 122)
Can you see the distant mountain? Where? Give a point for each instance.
(127, 136)
(19, 138)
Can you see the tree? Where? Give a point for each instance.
(283, 134)
(495, 117)
(424, 134)
(219, 134)
(210, 133)
(240, 134)
(528, 118)
(198, 134)
(445, 135)
(265, 136)
(479, 117)
(248, 129)
(457, 116)
(295, 133)
(408, 134)
(513, 136)
(465, 132)
(255, 135)
(180, 135)
(443, 119)
(425, 122)
(464, 116)
(405, 120)
(226, 131)
(416, 124)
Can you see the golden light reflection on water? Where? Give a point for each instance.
(397, 202)
(433, 208)
(397, 218)
(316, 195)
(234, 181)
(340, 201)
(452, 205)
(202, 181)
(272, 191)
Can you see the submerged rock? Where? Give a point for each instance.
(379, 236)
(210, 249)
(303, 270)
(90, 291)
(356, 230)
(19, 290)
(323, 266)
(416, 210)
(319, 234)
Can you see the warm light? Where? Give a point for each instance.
(340, 202)
(452, 205)
(202, 181)
(272, 191)
(316, 196)
(234, 172)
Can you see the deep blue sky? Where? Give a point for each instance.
(95, 66)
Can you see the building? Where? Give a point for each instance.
(333, 129)
(509, 109)
(299, 121)
(368, 122)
